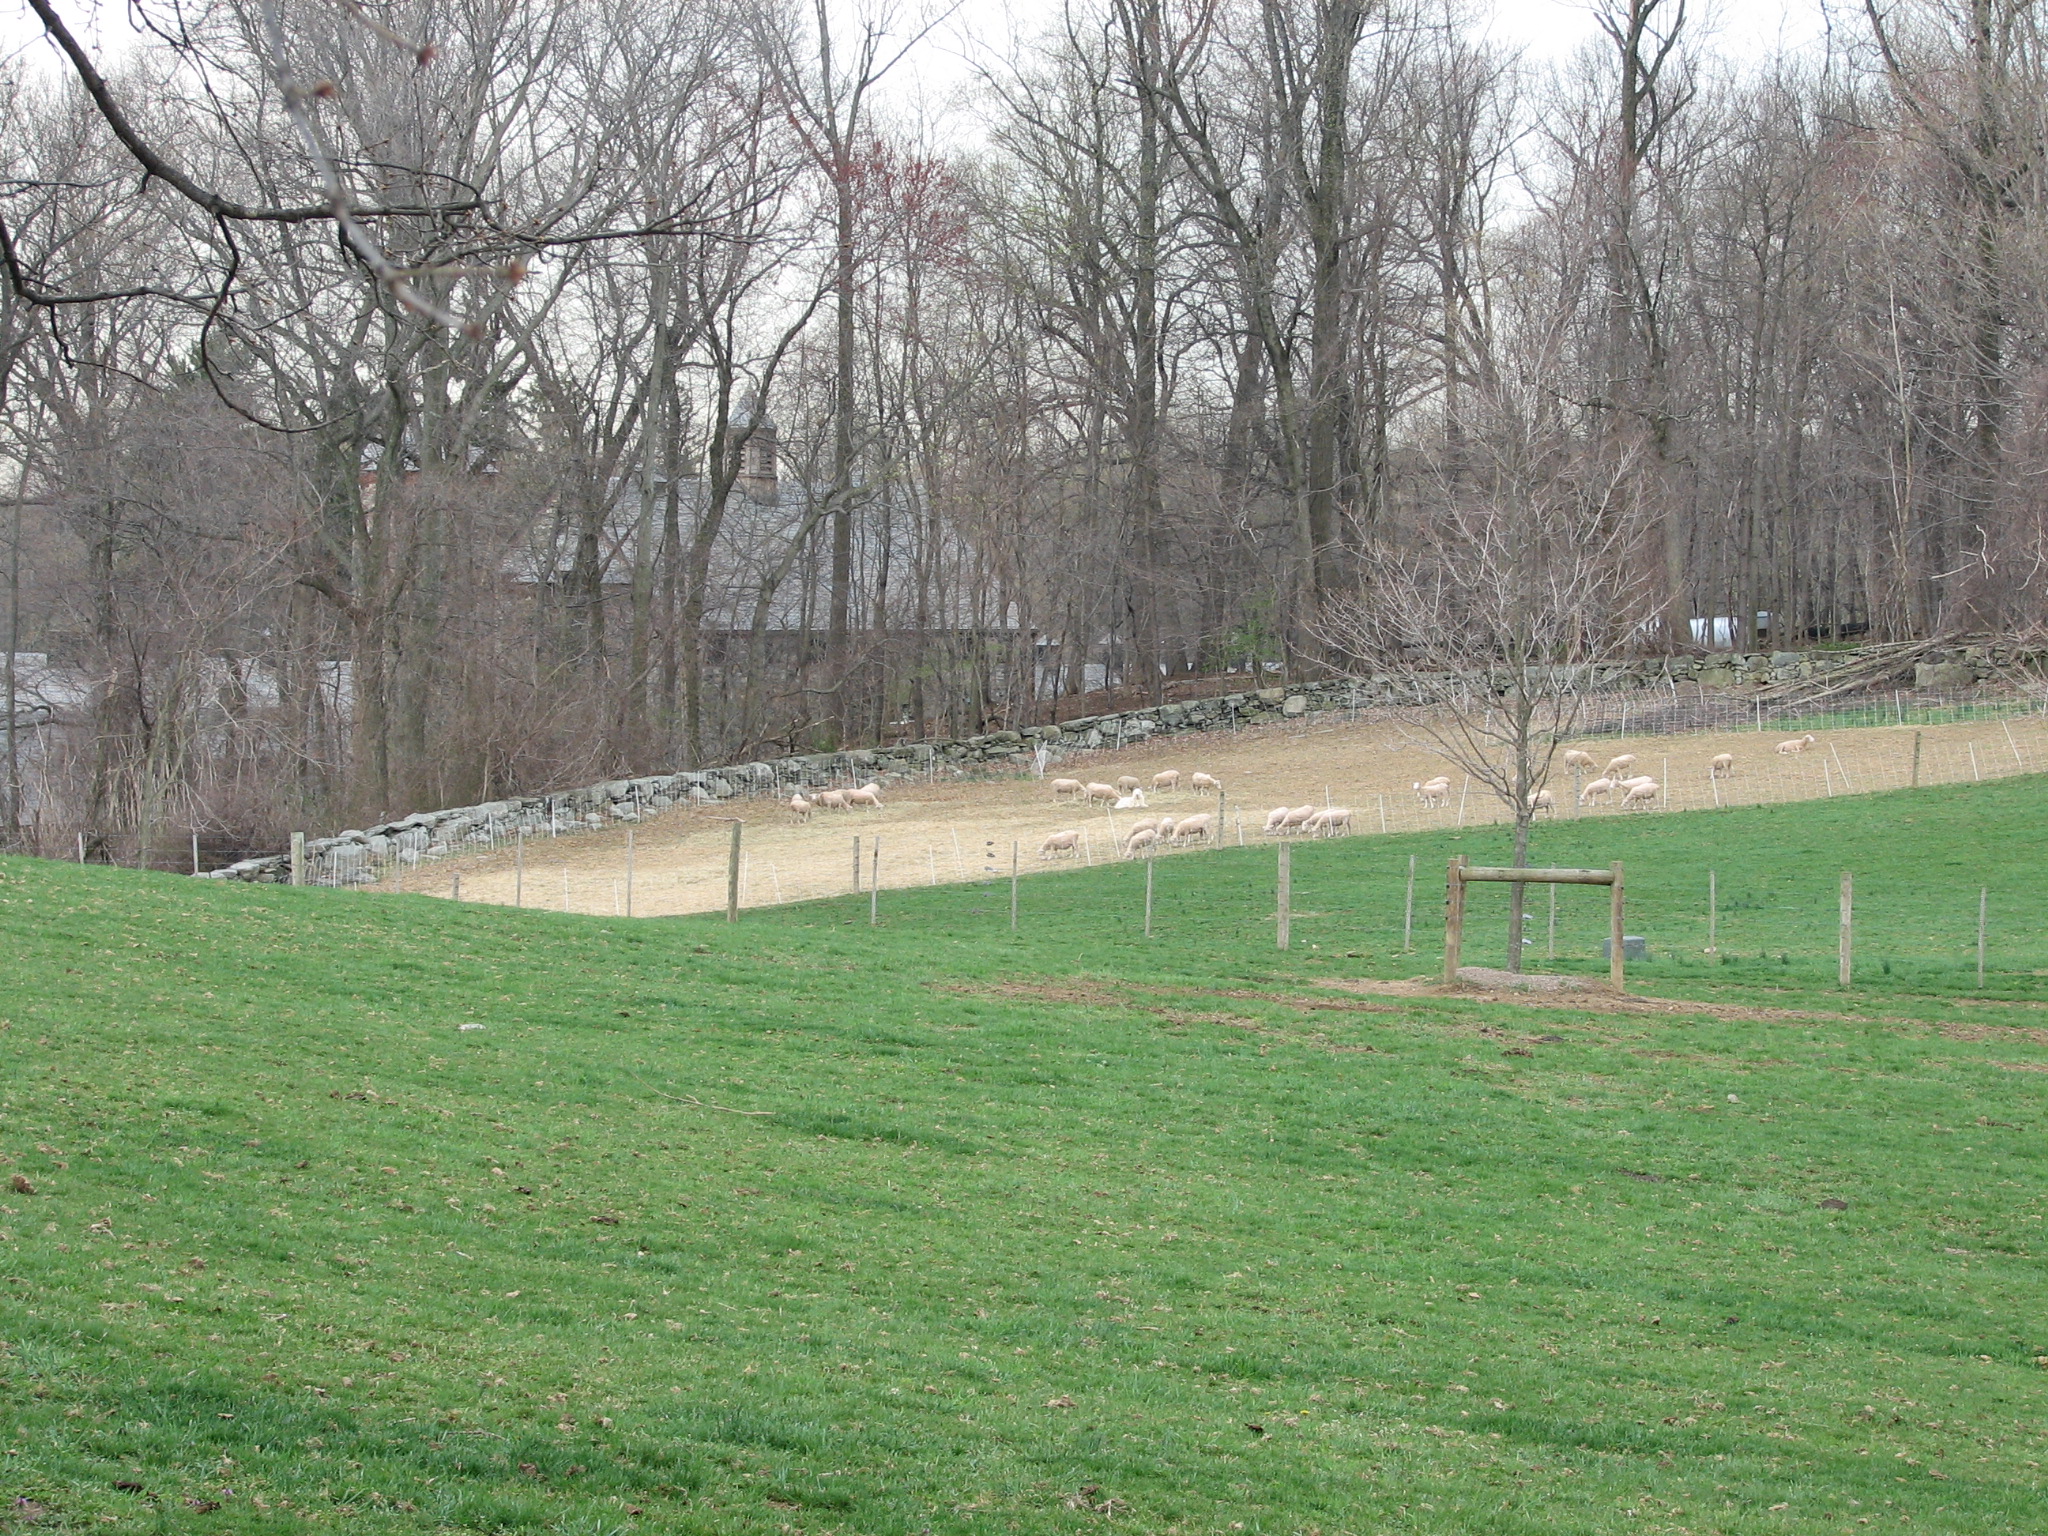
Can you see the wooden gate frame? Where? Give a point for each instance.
(1461, 873)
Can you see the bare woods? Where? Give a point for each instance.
(411, 403)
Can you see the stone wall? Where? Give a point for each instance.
(358, 856)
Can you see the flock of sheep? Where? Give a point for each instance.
(867, 795)
(1638, 790)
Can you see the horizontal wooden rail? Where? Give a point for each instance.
(1536, 876)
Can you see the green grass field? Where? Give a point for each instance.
(391, 1215)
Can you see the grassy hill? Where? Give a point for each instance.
(387, 1214)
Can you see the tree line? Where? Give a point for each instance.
(406, 403)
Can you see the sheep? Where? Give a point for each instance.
(1061, 788)
(1643, 792)
(869, 795)
(1165, 829)
(1134, 801)
(1276, 819)
(800, 807)
(1192, 828)
(1721, 766)
(1616, 766)
(1170, 779)
(1795, 746)
(832, 799)
(1057, 843)
(1575, 759)
(1143, 824)
(1636, 778)
(1298, 818)
(1203, 784)
(1093, 792)
(1329, 820)
(1542, 800)
(1436, 792)
(1140, 842)
(1598, 789)
(1127, 783)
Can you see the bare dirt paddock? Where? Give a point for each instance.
(964, 830)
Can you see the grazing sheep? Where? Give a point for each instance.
(1141, 842)
(1203, 784)
(1636, 778)
(1170, 779)
(1577, 759)
(1721, 766)
(1643, 793)
(1127, 783)
(1165, 829)
(1617, 766)
(869, 795)
(1298, 817)
(1329, 821)
(1057, 843)
(1598, 789)
(1094, 792)
(1061, 788)
(1542, 800)
(1276, 819)
(1134, 801)
(832, 799)
(1795, 746)
(1144, 823)
(801, 807)
(1435, 793)
(1193, 829)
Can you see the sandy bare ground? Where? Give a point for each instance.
(961, 831)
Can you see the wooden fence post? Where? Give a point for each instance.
(875, 886)
(1617, 945)
(1408, 916)
(856, 859)
(1713, 912)
(1014, 847)
(1916, 760)
(298, 856)
(519, 868)
(1983, 908)
(732, 876)
(629, 871)
(1149, 862)
(1286, 894)
(1845, 954)
(1454, 917)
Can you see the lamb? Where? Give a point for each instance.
(1140, 842)
(1643, 792)
(1203, 784)
(1598, 789)
(1093, 792)
(1542, 800)
(1061, 788)
(869, 795)
(832, 799)
(800, 806)
(1057, 843)
(1576, 759)
(1135, 800)
(1276, 819)
(1616, 766)
(1170, 779)
(1192, 828)
(1721, 766)
(1795, 746)
(1330, 820)
(1127, 783)
(1436, 792)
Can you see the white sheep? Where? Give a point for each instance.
(1127, 783)
(800, 807)
(832, 799)
(1616, 766)
(1165, 829)
(1093, 792)
(1191, 829)
(1795, 746)
(1143, 824)
(1203, 784)
(1643, 793)
(1542, 800)
(1170, 779)
(1134, 801)
(1435, 793)
(1721, 766)
(1298, 817)
(1330, 820)
(1140, 842)
(1057, 843)
(869, 795)
(1574, 758)
(1061, 788)
(1276, 819)
(1597, 789)
(1636, 778)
